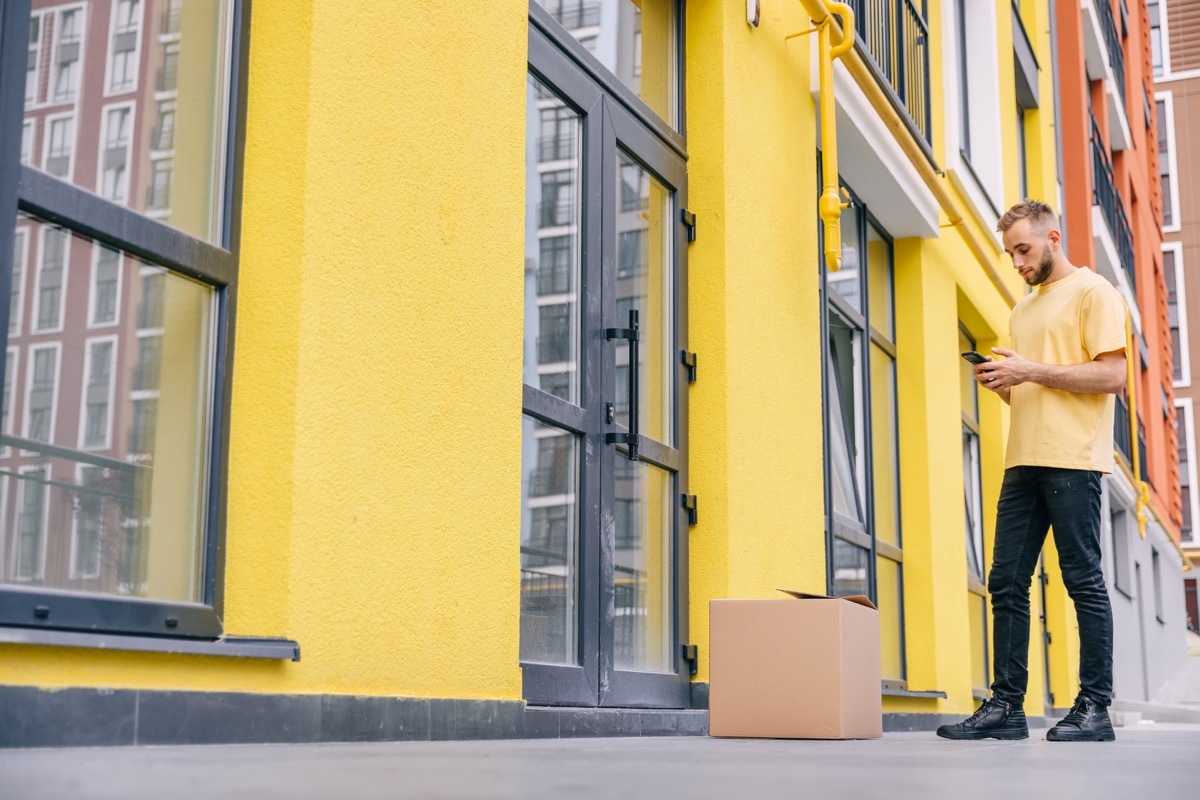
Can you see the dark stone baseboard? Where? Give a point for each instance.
(34, 717)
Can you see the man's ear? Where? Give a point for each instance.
(1054, 235)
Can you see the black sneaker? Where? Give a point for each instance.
(995, 719)
(1087, 722)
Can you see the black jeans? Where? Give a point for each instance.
(1031, 500)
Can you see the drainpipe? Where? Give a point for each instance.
(820, 12)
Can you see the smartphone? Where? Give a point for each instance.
(975, 358)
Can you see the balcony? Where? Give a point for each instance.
(894, 38)
(1105, 60)
(1110, 225)
(1122, 441)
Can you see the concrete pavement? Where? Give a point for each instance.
(1147, 760)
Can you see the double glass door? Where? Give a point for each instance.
(603, 539)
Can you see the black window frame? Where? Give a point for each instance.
(26, 190)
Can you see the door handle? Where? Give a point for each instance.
(632, 334)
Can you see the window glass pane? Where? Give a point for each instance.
(977, 614)
(885, 456)
(850, 575)
(98, 504)
(879, 282)
(143, 59)
(891, 618)
(846, 280)
(972, 502)
(643, 560)
(845, 404)
(633, 39)
(645, 281)
(968, 388)
(552, 251)
(549, 549)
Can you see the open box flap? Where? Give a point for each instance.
(854, 598)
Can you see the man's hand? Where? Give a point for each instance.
(1104, 375)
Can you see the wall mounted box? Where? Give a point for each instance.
(802, 668)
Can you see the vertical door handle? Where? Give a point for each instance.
(632, 334)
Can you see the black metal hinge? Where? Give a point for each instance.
(688, 359)
(692, 656)
(689, 219)
(688, 501)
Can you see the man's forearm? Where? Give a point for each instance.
(1092, 377)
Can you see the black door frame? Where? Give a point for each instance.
(611, 117)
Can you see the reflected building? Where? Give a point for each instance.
(84, 355)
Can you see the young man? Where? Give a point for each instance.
(1066, 362)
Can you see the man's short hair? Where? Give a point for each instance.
(1040, 215)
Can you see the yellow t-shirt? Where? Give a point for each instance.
(1070, 321)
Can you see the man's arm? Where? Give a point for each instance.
(1103, 375)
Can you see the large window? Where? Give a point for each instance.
(973, 517)
(1158, 50)
(1177, 318)
(862, 431)
(1165, 109)
(115, 396)
(1185, 436)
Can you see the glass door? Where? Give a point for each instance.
(603, 538)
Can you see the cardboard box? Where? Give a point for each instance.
(806, 667)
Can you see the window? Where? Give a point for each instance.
(97, 399)
(29, 556)
(1158, 57)
(94, 510)
(555, 265)
(558, 206)
(6, 423)
(61, 147)
(163, 136)
(973, 515)
(1185, 437)
(635, 42)
(168, 73)
(114, 154)
(123, 47)
(558, 135)
(51, 273)
(977, 74)
(106, 281)
(85, 407)
(1156, 576)
(33, 59)
(1177, 317)
(632, 253)
(41, 388)
(1022, 167)
(27, 142)
(1164, 107)
(67, 54)
(17, 293)
(1119, 522)
(862, 429)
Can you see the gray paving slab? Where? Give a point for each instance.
(1147, 761)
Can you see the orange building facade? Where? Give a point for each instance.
(1112, 204)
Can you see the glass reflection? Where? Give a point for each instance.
(644, 517)
(634, 39)
(105, 83)
(645, 282)
(88, 462)
(549, 532)
(552, 251)
(850, 574)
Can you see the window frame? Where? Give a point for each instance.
(1171, 168)
(214, 263)
(1181, 307)
(1185, 412)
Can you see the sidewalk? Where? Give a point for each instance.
(1147, 760)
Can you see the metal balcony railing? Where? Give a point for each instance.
(573, 14)
(1104, 194)
(1116, 56)
(895, 37)
(557, 148)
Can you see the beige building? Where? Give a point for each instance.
(1175, 42)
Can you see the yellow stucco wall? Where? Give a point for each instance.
(376, 446)
(375, 456)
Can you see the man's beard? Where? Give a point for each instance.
(1042, 271)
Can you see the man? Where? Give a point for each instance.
(1066, 362)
